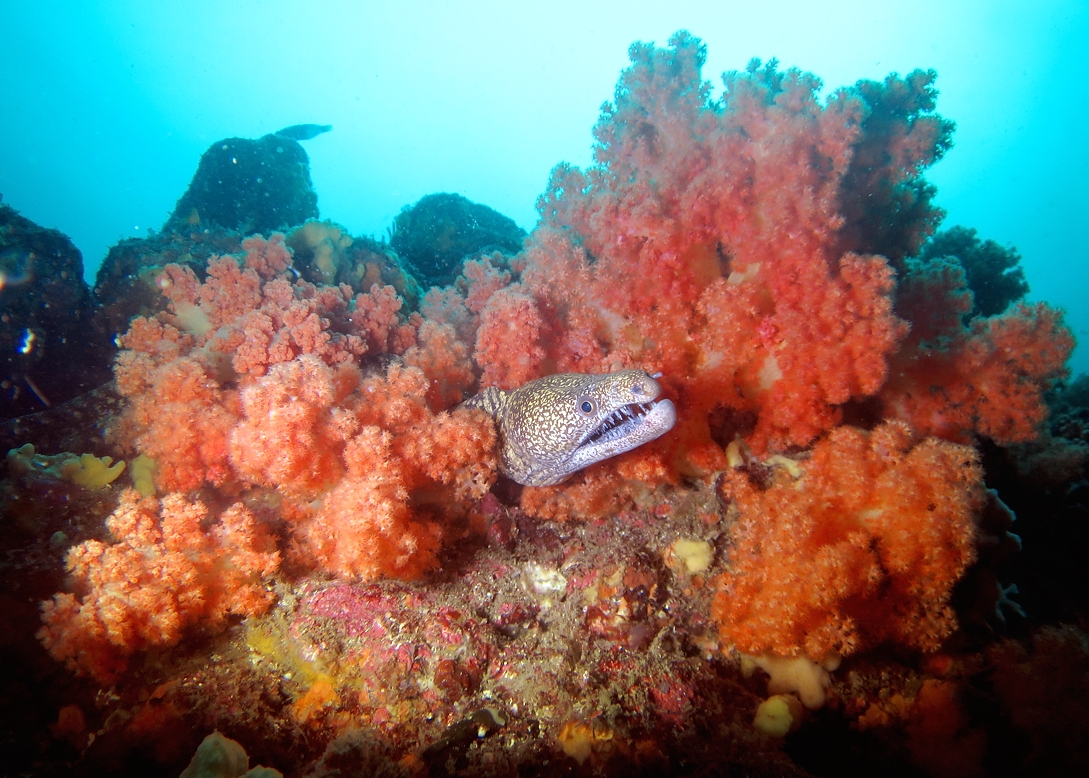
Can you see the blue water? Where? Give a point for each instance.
(107, 106)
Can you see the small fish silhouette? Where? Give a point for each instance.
(302, 131)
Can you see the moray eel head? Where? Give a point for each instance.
(556, 425)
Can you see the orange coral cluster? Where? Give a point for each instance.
(253, 379)
(251, 385)
(163, 572)
(951, 380)
(864, 546)
(400, 455)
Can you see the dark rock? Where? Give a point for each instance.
(51, 346)
(248, 185)
(125, 285)
(78, 425)
(436, 234)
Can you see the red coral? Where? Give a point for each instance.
(863, 547)
(161, 575)
(987, 377)
(704, 244)
(510, 317)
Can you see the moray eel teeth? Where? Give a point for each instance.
(559, 424)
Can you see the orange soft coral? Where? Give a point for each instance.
(180, 416)
(623, 482)
(292, 429)
(864, 546)
(161, 575)
(364, 527)
(249, 382)
(456, 448)
(182, 370)
(369, 476)
(376, 314)
(306, 429)
(411, 476)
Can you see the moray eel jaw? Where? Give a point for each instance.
(556, 425)
(628, 427)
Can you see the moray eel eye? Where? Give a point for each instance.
(587, 406)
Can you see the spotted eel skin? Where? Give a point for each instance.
(556, 425)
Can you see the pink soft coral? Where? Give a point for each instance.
(690, 198)
(510, 317)
(249, 311)
(705, 243)
(736, 245)
(987, 377)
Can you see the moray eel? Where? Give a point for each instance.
(561, 423)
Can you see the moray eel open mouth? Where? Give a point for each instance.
(624, 423)
(559, 424)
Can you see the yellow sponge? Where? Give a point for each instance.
(91, 472)
(779, 715)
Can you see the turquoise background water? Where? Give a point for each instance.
(105, 107)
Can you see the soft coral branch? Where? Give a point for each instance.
(987, 377)
(863, 547)
(161, 575)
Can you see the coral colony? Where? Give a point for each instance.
(316, 510)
